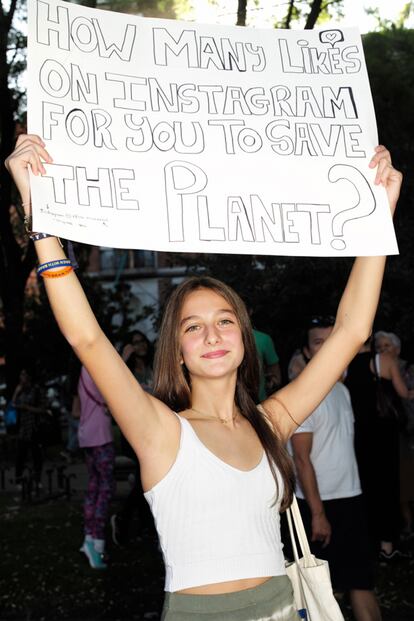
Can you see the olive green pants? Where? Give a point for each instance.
(271, 601)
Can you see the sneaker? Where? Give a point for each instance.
(94, 558)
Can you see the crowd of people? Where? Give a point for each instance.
(213, 453)
(354, 456)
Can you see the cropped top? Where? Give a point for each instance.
(216, 523)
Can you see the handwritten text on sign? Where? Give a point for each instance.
(174, 136)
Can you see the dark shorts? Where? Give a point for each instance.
(271, 601)
(350, 554)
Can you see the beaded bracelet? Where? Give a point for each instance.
(58, 273)
(44, 267)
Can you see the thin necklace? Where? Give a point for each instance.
(209, 416)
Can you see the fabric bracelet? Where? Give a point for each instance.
(58, 273)
(37, 236)
(52, 264)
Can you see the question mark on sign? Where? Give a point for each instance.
(364, 207)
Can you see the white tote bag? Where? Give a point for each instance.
(312, 589)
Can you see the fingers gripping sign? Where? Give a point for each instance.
(387, 175)
(29, 153)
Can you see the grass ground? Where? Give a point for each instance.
(43, 576)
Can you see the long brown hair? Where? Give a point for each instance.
(172, 383)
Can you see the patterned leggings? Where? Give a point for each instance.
(100, 461)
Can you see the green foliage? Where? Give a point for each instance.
(301, 11)
(170, 9)
(15, 57)
(389, 57)
(384, 24)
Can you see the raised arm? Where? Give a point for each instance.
(290, 406)
(392, 368)
(143, 419)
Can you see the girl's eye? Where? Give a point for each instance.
(225, 321)
(192, 328)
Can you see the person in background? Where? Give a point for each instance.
(137, 355)
(329, 489)
(388, 342)
(27, 401)
(72, 411)
(95, 437)
(269, 367)
(377, 443)
(270, 377)
(296, 364)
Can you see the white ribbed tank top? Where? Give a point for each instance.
(215, 523)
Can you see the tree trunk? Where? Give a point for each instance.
(314, 14)
(241, 13)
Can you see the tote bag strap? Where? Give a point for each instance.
(292, 536)
(294, 518)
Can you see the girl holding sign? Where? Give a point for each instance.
(213, 463)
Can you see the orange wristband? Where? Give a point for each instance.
(58, 273)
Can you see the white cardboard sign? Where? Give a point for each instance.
(184, 137)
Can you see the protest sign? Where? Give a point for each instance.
(177, 136)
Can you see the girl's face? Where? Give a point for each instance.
(24, 378)
(210, 336)
(385, 345)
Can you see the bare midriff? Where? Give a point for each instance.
(225, 587)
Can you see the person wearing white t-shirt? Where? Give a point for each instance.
(329, 490)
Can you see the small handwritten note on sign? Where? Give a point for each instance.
(176, 136)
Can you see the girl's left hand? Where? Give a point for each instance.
(387, 175)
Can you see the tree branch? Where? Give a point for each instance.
(11, 13)
(289, 14)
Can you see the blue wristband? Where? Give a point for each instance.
(49, 265)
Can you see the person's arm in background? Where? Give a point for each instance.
(271, 366)
(302, 446)
(397, 379)
(75, 411)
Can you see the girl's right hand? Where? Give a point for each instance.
(29, 151)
